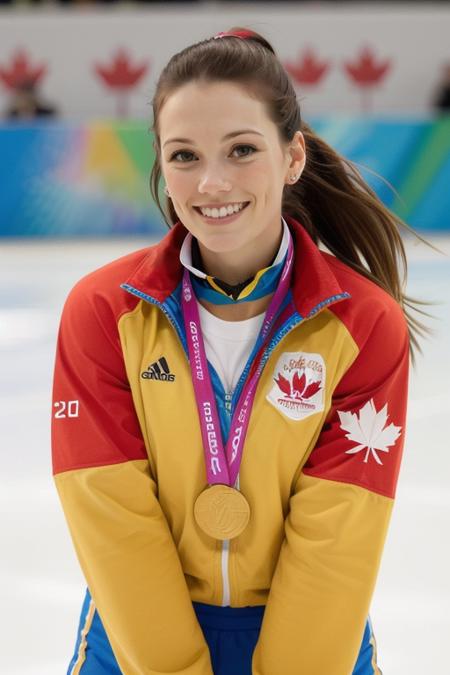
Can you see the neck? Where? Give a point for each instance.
(238, 312)
(234, 267)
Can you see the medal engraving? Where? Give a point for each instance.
(222, 512)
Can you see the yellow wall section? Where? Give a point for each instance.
(107, 160)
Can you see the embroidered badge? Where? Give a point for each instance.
(299, 384)
(367, 428)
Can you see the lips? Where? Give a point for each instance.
(216, 220)
(221, 211)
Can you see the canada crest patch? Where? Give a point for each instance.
(299, 384)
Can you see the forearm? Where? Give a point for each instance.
(131, 566)
(323, 583)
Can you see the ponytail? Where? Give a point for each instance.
(338, 209)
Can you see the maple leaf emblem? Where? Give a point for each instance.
(308, 69)
(20, 71)
(298, 388)
(121, 76)
(284, 384)
(366, 71)
(369, 430)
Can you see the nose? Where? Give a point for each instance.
(213, 181)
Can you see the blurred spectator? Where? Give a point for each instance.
(441, 101)
(27, 104)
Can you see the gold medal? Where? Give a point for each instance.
(221, 511)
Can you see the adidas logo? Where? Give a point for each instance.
(159, 371)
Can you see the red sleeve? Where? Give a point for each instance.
(109, 494)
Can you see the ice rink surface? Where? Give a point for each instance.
(42, 587)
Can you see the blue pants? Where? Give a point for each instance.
(230, 632)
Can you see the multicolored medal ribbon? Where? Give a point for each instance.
(221, 510)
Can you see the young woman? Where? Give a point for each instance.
(230, 403)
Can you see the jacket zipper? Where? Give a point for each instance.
(225, 553)
(286, 328)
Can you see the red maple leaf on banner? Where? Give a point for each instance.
(308, 69)
(20, 71)
(367, 73)
(121, 76)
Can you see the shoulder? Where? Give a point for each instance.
(97, 299)
(100, 291)
(370, 312)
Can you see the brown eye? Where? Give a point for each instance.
(180, 156)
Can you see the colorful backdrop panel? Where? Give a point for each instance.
(65, 180)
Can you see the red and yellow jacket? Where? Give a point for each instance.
(319, 468)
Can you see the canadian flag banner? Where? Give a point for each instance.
(352, 60)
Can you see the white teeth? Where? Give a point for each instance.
(223, 211)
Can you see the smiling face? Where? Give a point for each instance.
(225, 168)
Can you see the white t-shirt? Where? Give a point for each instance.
(228, 344)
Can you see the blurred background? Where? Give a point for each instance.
(76, 81)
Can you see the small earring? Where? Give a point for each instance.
(166, 191)
(294, 179)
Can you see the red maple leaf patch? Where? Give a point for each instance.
(284, 384)
(311, 389)
(299, 388)
(298, 383)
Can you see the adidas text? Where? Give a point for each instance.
(164, 377)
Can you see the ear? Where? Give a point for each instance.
(297, 158)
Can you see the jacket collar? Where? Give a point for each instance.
(186, 253)
(313, 281)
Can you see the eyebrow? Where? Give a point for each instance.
(232, 134)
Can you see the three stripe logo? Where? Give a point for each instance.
(159, 370)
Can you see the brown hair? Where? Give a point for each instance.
(331, 200)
